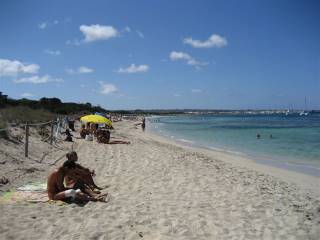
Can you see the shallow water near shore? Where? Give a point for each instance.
(291, 142)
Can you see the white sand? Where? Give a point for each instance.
(163, 191)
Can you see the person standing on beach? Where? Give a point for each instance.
(143, 124)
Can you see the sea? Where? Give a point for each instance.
(291, 142)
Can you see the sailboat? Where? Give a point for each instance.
(304, 112)
(287, 112)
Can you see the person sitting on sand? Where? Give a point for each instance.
(57, 190)
(69, 135)
(84, 131)
(93, 128)
(115, 141)
(81, 177)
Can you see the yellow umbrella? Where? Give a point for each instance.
(96, 119)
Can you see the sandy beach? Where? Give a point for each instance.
(161, 190)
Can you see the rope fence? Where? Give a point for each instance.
(39, 124)
(56, 126)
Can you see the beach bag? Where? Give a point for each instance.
(89, 137)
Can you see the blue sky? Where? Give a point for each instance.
(163, 54)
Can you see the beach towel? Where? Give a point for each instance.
(33, 187)
(31, 193)
(23, 196)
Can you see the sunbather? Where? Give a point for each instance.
(81, 177)
(57, 190)
(104, 136)
(84, 131)
(69, 135)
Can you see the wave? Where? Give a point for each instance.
(185, 140)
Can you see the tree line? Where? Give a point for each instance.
(54, 105)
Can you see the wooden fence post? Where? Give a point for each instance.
(26, 140)
(51, 138)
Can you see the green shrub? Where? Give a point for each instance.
(53, 105)
(22, 114)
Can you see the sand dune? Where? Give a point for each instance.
(163, 191)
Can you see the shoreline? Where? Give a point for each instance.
(307, 182)
(266, 155)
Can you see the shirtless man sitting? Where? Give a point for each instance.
(57, 190)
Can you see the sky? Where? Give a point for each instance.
(168, 54)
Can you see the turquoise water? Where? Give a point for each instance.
(295, 141)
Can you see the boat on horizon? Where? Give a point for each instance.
(304, 112)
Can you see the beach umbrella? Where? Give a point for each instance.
(96, 119)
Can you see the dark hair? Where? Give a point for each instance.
(69, 164)
(71, 153)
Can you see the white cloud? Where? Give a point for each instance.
(38, 80)
(107, 88)
(82, 85)
(214, 40)
(134, 69)
(27, 95)
(177, 95)
(196, 90)
(75, 42)
(42, 25)
(45, 25)
(179, 56)
(80, 70)
(84, 69)
(193, 62)
(176, 56)
(98, 32)
(52, 52)
(140, 34)
(12, 68)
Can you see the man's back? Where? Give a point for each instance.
(55, 183)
